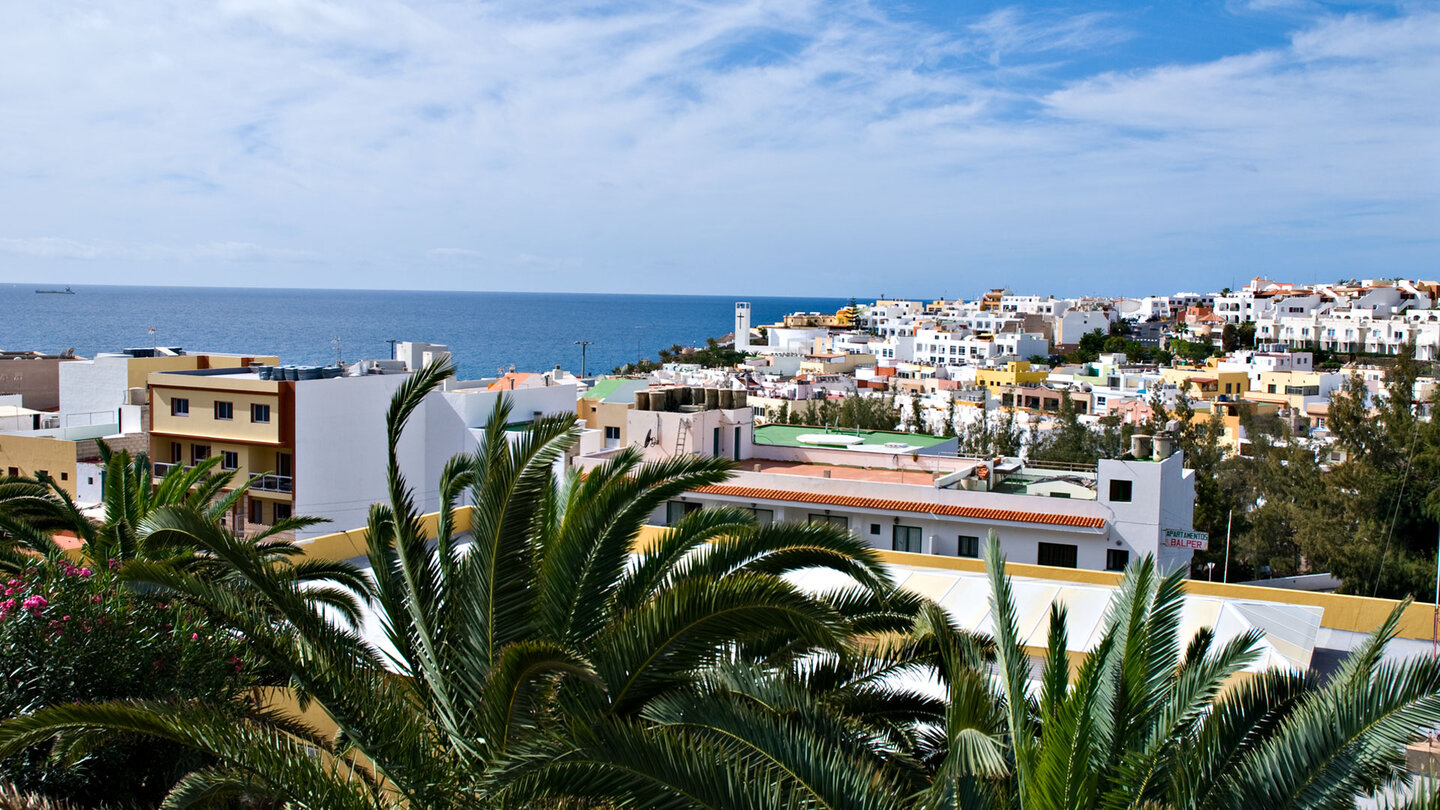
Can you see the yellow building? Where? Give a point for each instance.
(835, 363)
(1291, 389)
(606, 407)
(1207, 382)
(843, 318)
(1232, 439)
(246, 422)
(1016, 372)
(31, 455)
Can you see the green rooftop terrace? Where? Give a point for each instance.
(788, 435)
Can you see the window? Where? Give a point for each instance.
(259, 413)
(612, 433)
(969, 546)
(179, 407)
(834, 520)
(1119, 491)
(224, 410)
(906, 538)
(1116, 559)
(282, 464)
(674, 510)
(282, 511)
(257, 511)
(874, 528)
(229, 460)
(64, 476)
(13, 472)
(764, 517)
(176, 452)
(199, 452)
(1060, 555)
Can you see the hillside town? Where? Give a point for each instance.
(1087, 432)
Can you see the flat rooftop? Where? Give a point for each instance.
(872, 440)
(839, 471)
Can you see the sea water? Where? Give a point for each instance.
(487, 332)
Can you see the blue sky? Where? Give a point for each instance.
(746, 148)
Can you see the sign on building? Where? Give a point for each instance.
(1179, 538)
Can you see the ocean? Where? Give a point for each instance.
(486, 331)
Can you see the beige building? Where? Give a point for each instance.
(247, 422)
(35, 376)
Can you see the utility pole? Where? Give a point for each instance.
(1226, 576)
(583, 344)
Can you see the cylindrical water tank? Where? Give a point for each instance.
(1164, 445)
(1141, 445)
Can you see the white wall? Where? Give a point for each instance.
(339, 460)
(94, 386)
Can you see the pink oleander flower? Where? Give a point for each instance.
(34, 603)
(86, 573)
(194, 636)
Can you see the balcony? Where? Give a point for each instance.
(162, 468)
(273, 483)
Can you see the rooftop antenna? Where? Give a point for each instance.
(154, 341)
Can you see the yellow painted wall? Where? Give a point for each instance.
(201, 421)
(1357, 614)
(599, 415)
(1016, 372)
(30, 454)
(139, 369)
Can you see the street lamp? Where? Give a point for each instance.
(582, 344)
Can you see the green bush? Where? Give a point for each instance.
(70, 634)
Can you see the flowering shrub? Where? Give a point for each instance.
(71, 634)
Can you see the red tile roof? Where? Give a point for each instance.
(888, 505)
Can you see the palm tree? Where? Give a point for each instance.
(1142, 724)
(32, 509)
(532, 657)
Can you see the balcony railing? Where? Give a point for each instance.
(272, 483)
(161, 468)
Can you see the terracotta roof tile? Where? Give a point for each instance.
(888, 505)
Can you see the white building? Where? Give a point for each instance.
(946, 506)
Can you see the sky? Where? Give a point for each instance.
(793, 147)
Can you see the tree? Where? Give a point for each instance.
(72, 634)
(539, 661)
(31, 509)
(1150, 719)
(1229, 338)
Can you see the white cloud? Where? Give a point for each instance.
(732, 146)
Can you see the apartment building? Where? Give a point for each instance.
(899, 495)
(35, 376)
(315, 445)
